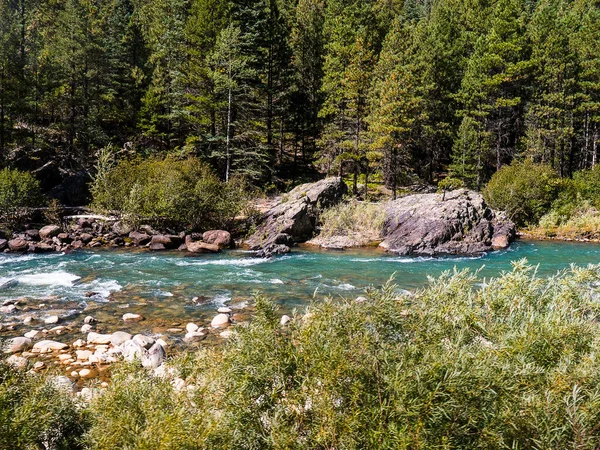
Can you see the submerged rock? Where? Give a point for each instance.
(458, 222)
(293, 218)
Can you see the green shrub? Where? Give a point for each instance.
(18, 192)
(524, 190)
(34, 413)
(450, 184)
(170, 192)
(353, 218)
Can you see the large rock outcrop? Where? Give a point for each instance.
(457, 223)
(293, 218)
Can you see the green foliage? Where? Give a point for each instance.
(450, 184)
(524, 190)
(353, 217)
(18, 192)
(171, 192)
(35, 413)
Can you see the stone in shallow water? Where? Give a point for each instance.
(86, 328)
(49, 345)
(190, 327)
(88, 373)
(51, 320)
(224, 310)
(194, 336)
(16, 345)
(32, 334)
(89, 320)
(220, 320)
(131, 317)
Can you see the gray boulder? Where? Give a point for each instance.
(49, 231)
(459, 223)
(293, 218)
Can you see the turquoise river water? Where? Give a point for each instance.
(176, 287)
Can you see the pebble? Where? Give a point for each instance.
(64, 357)
(86, 328)
(32, 334)
(75, 374)
(58, 330)
(27, 320)
(8, 309)
(220, 320)
(224, 310)
(79, 343)
(39, 365)
(131, 317)
(88, 320)
(88, 373)
(190, 327)
(285, 319)
(194, 336)
(83, 355)
(51, 320)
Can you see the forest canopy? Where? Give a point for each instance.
(275, 89)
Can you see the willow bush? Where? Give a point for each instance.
(510, 362)
(169, 191)
(19, 191)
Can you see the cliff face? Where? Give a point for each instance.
(458, 222)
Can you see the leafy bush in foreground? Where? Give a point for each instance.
(18, 191)
(524, 190)
(170, 192)
(511, 362)
(37, 414)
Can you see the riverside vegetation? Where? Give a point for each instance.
(511, 363)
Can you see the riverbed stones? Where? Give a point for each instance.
(194, 336)
(49, 231)
(220, 321)
(86, 328)
(132, 317)
(191, 327)
(17, 345)
(51, 320)
(131, 350)
(118, 337)
(139, 239)
(48, 345)
(83, 355)
(220, 238)
(32, 334)
(293, 218)
(224, 310)
(88, 373)
(89, 320)
(97, 338)
(18, 245)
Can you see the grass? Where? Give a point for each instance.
(362, 220)
(511, 362)
(582, 224)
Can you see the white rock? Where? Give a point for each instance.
(220, 320)
(51, 320)
(75, 374)
(132, 350)
(162, 342)
(194, 336)
(226, 334)
(285, 319)
(131, 317)
(27, 320)
(64, 357)
(118, 337)
(58, 330)
(8, 309)
(88, 373)
(39, 365)
(78, 343)
(97, 338)
(32, 334)
(89, 320)
(83, 355)
(47, 346)
(144, 341)
(86, 328)
(224, 310)
(191, 327)
(17, 344)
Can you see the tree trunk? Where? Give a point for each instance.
(227, 138)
